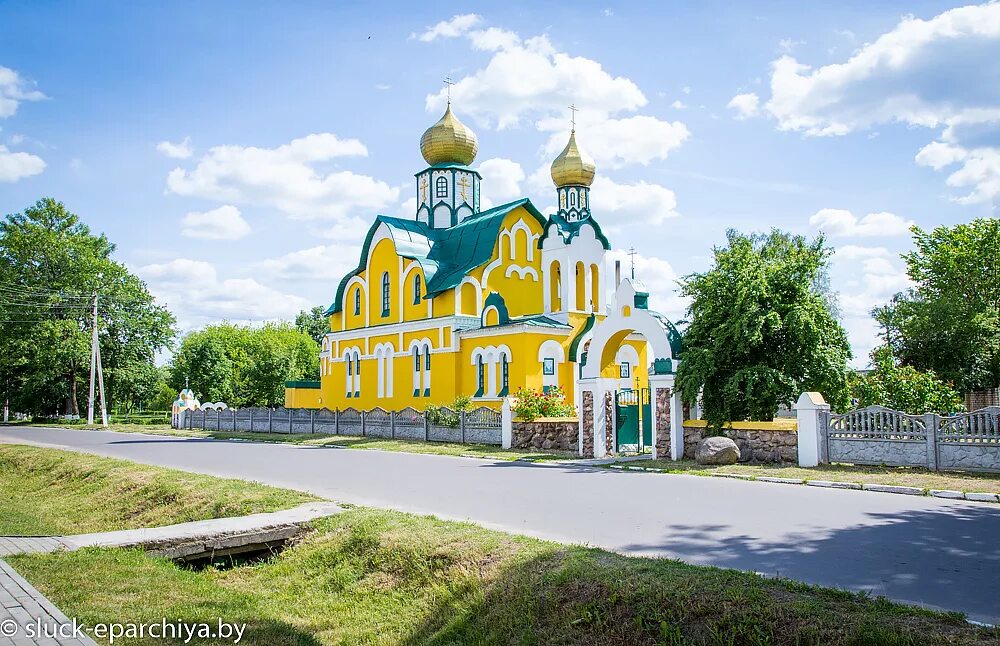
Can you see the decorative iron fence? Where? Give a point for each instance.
(481, 426)
(877, 435)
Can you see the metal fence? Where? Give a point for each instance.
(877, 435)
(480, 426)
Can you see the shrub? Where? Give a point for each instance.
(903, 387)
(532, 404)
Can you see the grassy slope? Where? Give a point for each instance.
(347, 441)
(373, 577)
(47, 491)
(900, 476)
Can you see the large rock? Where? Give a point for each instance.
(717, 450)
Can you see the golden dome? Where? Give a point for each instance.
(449, 141)
(573, 167)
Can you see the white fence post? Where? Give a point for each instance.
(931, 428)
(808, 410)
(506, 424)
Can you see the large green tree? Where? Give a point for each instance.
(51, 265)
(313, 322)
(762, 328)
(949, 322)
(244, 366)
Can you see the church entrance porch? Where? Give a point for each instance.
(614, 417)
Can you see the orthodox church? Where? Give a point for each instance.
(457, 301)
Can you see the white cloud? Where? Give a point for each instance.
(935, 73)
(530, 78)
(193, 291)
(746, 105)
(501, 181)
(979, 168)
(285, 178)
(678, 105)
(322, 263)
(223, 223)
(15, 166)
(657, 275)
(452, 28)
(181, 150)
(858, 252)
(843, 223)
(14, 90)
(613, 143)
(640, 201)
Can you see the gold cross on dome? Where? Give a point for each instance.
(448, 83)
(572, 113)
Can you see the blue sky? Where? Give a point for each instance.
(236, 152)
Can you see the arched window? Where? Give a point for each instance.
(504, 376)
(480, 377)
(441, 187)
(416, 290)
(385, 294)
(357, 301)
(572, 199)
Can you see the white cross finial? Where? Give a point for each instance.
(448, 83)
(572, 117)
(631, 253)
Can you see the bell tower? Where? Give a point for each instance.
(448, 189)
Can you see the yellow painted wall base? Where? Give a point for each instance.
(303, 398)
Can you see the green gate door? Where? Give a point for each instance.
(627, 416)
(634, 411)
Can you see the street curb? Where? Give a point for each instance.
(831, 484)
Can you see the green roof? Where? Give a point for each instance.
(305, 383)
(536, 321)
(569, 230)
(445, 255)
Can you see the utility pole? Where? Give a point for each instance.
(96, 370)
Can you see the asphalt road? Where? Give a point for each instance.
(938, 553)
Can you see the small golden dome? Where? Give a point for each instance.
(449, 141)
(573, 167)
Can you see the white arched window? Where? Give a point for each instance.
(416, 290)
(383, 365)
(441, 187)
(357, 301)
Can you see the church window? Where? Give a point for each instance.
(357, 301)
(480, 377)
(624, 370)
(504, 376)
(385, 294)
(416, 359)
(427, 358)
(572, 199)
(416, 290)
(548, 366)
(441, 187)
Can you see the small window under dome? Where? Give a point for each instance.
(441, 187)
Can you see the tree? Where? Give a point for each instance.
(761, 329)
(51, 265)
(902, 387)
(949, 323)
(314, 323)
(244, 366)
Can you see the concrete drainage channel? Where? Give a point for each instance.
(831, 484)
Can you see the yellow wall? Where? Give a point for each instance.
(303, 398)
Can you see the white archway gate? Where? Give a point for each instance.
(597, 392)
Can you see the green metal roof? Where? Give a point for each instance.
(569, 230)
(539, 320)
(445, 255)
(304, 383)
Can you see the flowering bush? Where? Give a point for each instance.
(532, 404)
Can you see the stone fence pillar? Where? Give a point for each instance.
(506, 424)
(668, 418)
(596, 416)
(808, 410)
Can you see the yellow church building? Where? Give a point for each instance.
(457, 301)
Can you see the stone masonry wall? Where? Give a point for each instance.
(755, 445)
(559, 435)
(609, 425)
(587, 410)
(662, 439)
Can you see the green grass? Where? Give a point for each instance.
(861, 474)
(52, 492)
(375, 577)
(346, 441)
